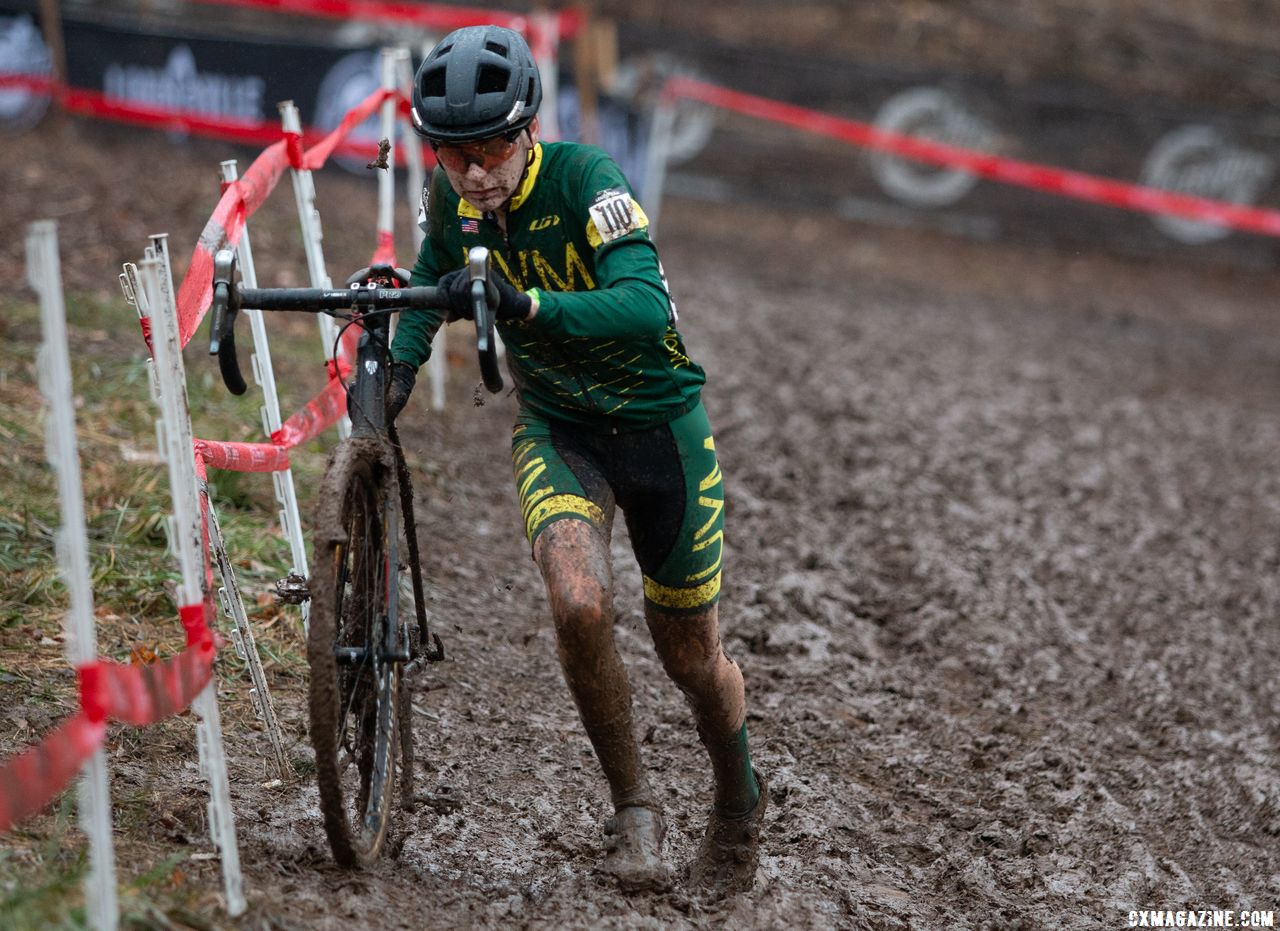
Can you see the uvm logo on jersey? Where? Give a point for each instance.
(614, 213)
(1197, 160)
(22, 52)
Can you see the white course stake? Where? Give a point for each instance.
(131, 285)
(387, 127)
(174, 430)
(387, 175)
(661, 128)
(94, 795)
(412, 147)
(416, 181)
(304, 192)
(546, 53)
(264, 373)
(229, 595)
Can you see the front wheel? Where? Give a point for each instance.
(355, 688)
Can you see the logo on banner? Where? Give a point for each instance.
(352, 78)
(1197, 160)
(932, 114)
(22, 52)
(181, 86)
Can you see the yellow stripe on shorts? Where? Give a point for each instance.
(558, 505)
(667, 597)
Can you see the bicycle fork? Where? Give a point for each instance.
(366, 406)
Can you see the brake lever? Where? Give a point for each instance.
(486, 346)
(225, 307)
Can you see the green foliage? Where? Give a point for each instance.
(127, 504)
(126, 486)
(40, 886)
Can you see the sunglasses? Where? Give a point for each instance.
(488, 153)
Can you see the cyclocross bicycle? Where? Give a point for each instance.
(358, 645)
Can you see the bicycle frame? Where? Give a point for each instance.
(366, 476)
(366, 406)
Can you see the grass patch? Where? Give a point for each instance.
(127, 503)
(41, 879)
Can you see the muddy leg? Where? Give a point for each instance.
(691, 652)
(574, 560)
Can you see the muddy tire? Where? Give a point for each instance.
(354, 703)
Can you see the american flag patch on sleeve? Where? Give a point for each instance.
(470, 225)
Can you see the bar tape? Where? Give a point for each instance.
(1073, 184)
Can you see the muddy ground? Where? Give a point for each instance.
(1003, 542)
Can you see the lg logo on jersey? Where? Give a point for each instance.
(544, 223)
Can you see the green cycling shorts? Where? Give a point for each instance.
(666, 480)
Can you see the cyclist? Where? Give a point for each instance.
(609, 414)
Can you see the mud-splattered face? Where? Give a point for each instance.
(487, 174)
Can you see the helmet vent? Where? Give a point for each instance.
(496, 48)
(433, 83)
(491, 80)
(528, 95)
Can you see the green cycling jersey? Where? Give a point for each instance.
(603, 350)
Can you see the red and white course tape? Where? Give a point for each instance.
(1059, 181)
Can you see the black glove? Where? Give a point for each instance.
(403, 377)
(508, 302)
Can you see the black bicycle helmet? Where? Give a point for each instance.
(478, 82)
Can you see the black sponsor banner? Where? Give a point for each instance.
(240, 80)
(1227, 156)
(1218, 154)
(237, 79)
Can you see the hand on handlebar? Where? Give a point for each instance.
(508, 302)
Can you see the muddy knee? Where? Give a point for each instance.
(691, 653)
(573, 557)
(700, 675)
(584, 623)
